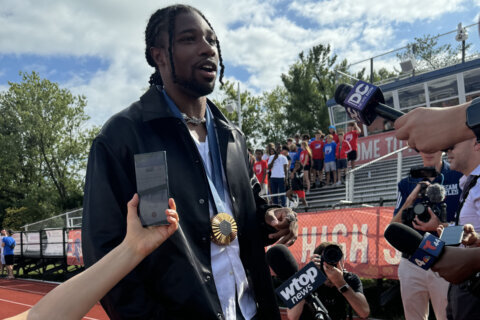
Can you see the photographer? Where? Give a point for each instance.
(341, 286)
(418, 286)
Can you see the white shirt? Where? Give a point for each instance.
(471, 208)
(227, 268)
(278, 170)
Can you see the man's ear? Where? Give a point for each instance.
(159, 55)
(476, 146)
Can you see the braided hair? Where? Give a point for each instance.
(164, 20)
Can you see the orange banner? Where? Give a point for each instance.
(359, 231)
(74, 248)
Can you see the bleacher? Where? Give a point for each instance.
(372, 183)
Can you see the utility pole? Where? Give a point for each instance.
(239, 104)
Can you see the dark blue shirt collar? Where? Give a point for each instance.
(176, 112)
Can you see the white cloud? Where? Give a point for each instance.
(109, 30)
(255, 35)
(386, 11)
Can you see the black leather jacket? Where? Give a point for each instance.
(170, 283)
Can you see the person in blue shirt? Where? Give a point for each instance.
(294, 156)
(8, 244)
(418, 286)
(447, 178)
(330, 166)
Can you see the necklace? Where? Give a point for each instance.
(193, 120)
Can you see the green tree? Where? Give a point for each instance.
(44, 141)
(428, 54)
(251, 111)
(383, 74)
(273, 123)
(310, 82)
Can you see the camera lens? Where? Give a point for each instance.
(419, 208)
(332, 254)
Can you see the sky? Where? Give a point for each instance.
(96, 48)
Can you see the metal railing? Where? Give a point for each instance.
(350, 179)
(453, 41)
(70, 219)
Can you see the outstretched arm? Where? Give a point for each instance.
(458, 264)
(92, 284)
(434, 129)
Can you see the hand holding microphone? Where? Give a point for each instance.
(453, 264)
(426, 129)
(364, 101)
(433, 129)
(298, 286)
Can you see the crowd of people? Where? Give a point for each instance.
(302, 163)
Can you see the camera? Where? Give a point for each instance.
(430, 196)
(331, 255)
(423, 172)
(426, 201)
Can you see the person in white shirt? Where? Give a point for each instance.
(278, 166)
(465, 157)
(214, 267)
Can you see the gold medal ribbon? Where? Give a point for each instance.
(224, 229)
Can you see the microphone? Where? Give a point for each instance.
(423, 251)
(364, 101)
(435, 193)
(408, 241)
(282, 262)
(298, 285)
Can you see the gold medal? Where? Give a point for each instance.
(224, 229)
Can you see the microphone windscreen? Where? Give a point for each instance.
(403, 238)
(282, 262)
(435, 193)
(342, 92)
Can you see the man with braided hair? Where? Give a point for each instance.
(192, 275)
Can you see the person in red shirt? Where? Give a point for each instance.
(343, 149)
(333, 131)
(260, 168)
(351, 136)
(306, 161)
(317, 156)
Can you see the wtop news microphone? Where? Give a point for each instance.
(297, 285)
(364, 101)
